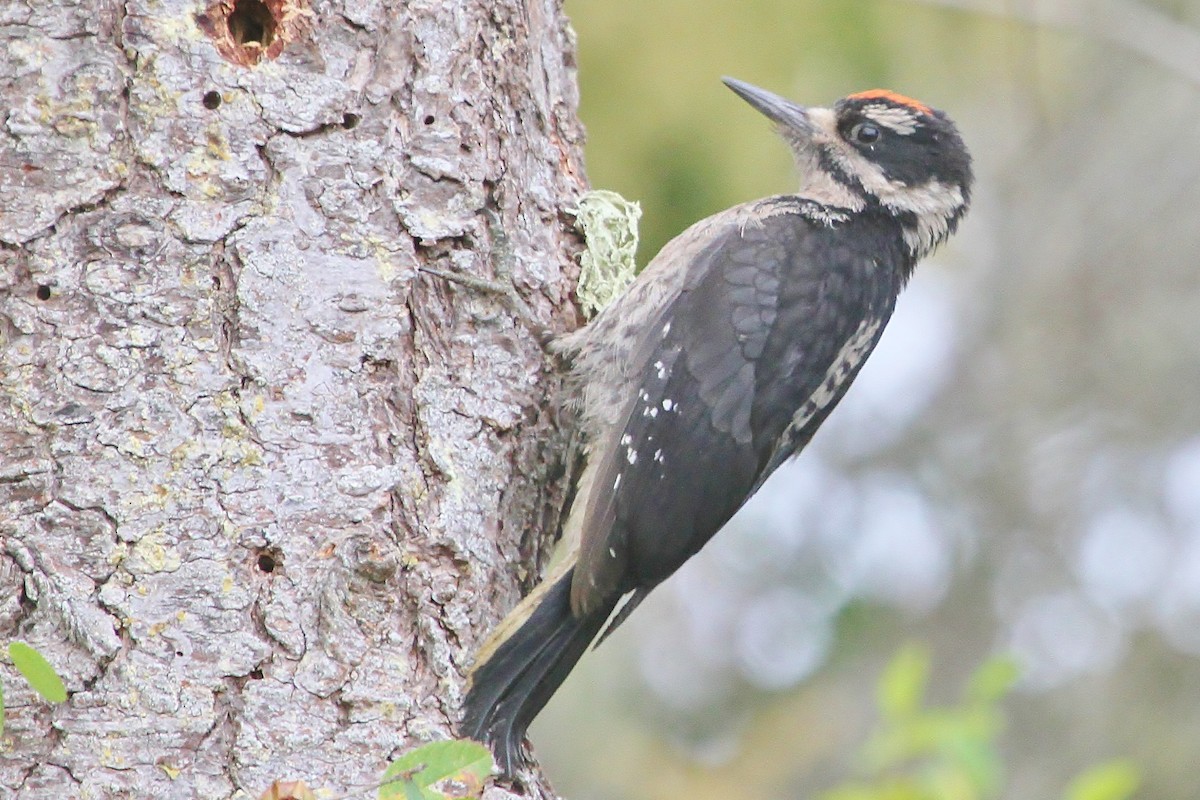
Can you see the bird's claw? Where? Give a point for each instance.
(502, 285)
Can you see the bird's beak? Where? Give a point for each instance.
(779, 110)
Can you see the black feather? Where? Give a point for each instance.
(511, 687)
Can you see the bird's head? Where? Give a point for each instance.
(877, 149)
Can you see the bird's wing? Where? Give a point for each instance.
(763, 317)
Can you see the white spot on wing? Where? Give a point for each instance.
(631, 455)
(668, 404)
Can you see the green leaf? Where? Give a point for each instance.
(902, 685)
(398, 784)
(975, 763)
(944, 782)
(1112, 780)
(993, 680)
(893, 788)
(37, 670)
(414, 775)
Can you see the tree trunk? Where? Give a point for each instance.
(264, 484)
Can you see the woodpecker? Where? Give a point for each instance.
(718, 364)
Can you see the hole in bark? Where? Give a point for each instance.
(266, 562)
(251, 22)
(350, 121)
(43, 292)
(248, 31)
(429, 119)
(212, 100)
(25, 601)
(255, 675)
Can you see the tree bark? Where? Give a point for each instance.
(263, 482)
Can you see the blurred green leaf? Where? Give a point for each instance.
(975, 765)
(993, 680)
(1113, 780)
(37, 670)
(947, 783)
(951, 752)
(414, 775)
(849, 793)
(891, 790)
(970, 745)
(902, 686)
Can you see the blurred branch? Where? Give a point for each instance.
(1132, 26)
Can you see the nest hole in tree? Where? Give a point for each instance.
(252, 23)
(247, 32)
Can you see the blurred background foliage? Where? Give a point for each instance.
(1017, 469)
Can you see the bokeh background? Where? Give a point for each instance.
(1017, 469)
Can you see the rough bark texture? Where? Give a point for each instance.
(262, 482)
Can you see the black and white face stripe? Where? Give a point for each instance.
(879, 149)
(898, 119)
(916, 143)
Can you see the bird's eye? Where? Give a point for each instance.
(864, 133)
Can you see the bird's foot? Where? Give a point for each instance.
(501, 285)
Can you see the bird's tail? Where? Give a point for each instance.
(524, 663)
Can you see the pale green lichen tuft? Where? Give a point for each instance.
(609, 224)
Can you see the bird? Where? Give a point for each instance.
(717, 365)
